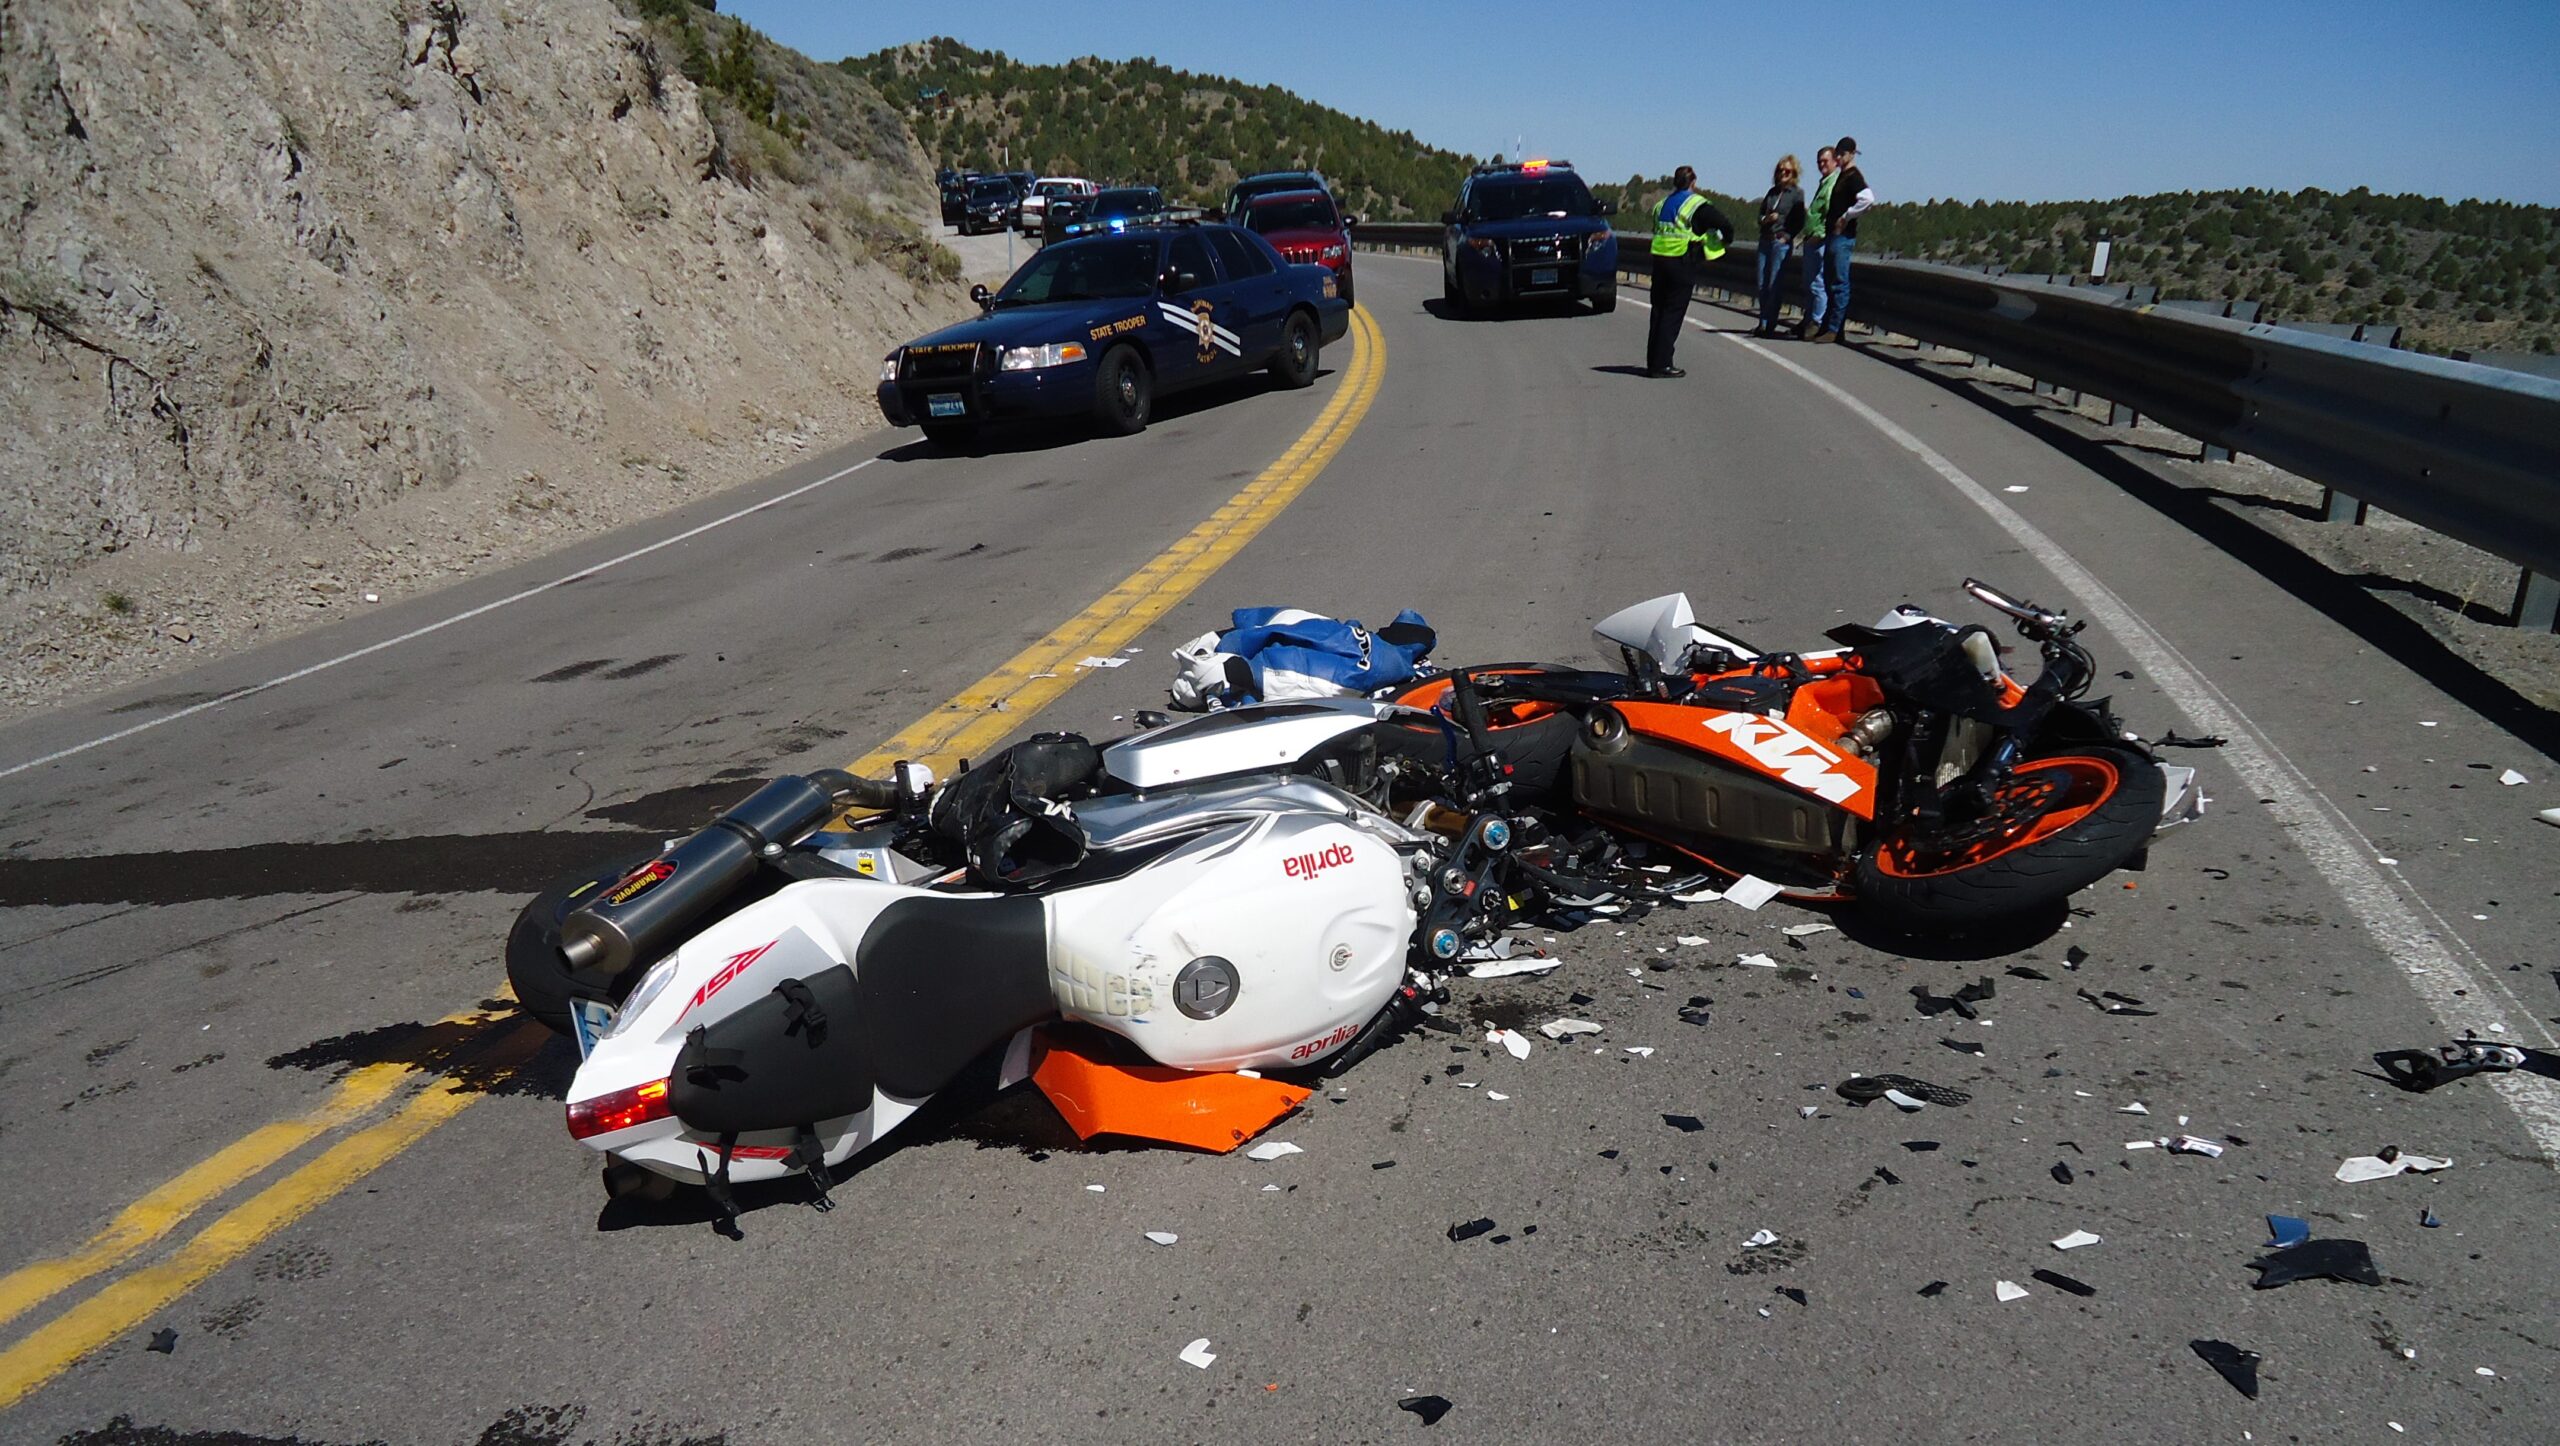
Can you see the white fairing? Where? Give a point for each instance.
(1663, 629)
(1313, 915)
(1252, 739)
(803, 929)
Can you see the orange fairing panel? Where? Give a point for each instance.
(1101, 1090)
(1769, 747)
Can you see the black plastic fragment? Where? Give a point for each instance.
(2021, 971)
(1962, 1001)
(2427, 1218)
(1685, 1124)
(2060, 1281)
(1382, 1165)
(2347, 1260)
(1470, 1229)
(1962, 1046)
(2237, 1366)
(2175, 740)
(2061, 1173)
(163, 1340)
(1920, 1147)
(1934, 1288)
(2113, 1003)
(1578, 998)
(1887, 1176)
(2074, 957)
(1794, 1294)
(1608, 1154)
(1429, 1408)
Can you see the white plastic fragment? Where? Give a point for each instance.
(1690, 941)
(2136, 1108)
(1751, 891)
(2015, 487)
(1162, 1237)
(2142, 1144)
(1198, 1353)
(1495, 1095)
(2357, 1169)
(2076, 1239)
(1806, 931)
(1906, 1103)
(2192, 1145)
(2482, 1371)
(1698, 896)
(1641, 1051)
(1104, 663)
(1505, 968)
(1760, 1238)
(1565, 1028)
(1096, 1189)
(2511, 778)
(1270, 1189)
(1806, 1112)
(1510, 1039)
(1276, 1149)
(2009, 1290)
(2550, 816)
(1758, 961)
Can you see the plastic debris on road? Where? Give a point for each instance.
(2347, 1260)
(2284, 1230)
(1807, 931)
(1103, 663)
(1690, 941)
(2511, 778)
(1751, 891)
(1162, 1237)
(1273, 1151)
(1640, 1051)
(2076, 1239)
(1198, 1353)
(165, 1341)
(2428, 1220)
(2357, 1169)
(2193, 1145)
(1567, 1028)
(2060, 1281)
(1505, 968)
(2009, 1290)
(2136, 1108)
(1905, 1103)
(1470, 1229)
(2237, 1366)
(2550, 816)
(1758, 961)
(1429, 1408)
(1685, 1124)
(1760, 1238)
(1510, 1039)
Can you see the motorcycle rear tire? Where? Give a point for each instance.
(2118, 794)
(543, 981)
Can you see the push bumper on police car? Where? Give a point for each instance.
(966, 382)
(1495, 269)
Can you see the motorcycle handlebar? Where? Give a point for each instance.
(2035, 621)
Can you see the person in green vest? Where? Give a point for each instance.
(1688, 233)
(1817, 243)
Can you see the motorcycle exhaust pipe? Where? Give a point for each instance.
(643, 911)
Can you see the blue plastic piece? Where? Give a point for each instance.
(2284, 1230)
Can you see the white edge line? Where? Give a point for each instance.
(415, 633)
(2333, 844)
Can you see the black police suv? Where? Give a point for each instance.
(1527, 230)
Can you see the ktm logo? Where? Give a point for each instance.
(1796, 760)
(736, 966)
(1307, 866)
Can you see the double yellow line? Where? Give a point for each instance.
(965, 725)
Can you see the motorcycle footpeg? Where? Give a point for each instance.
(2419, 1070)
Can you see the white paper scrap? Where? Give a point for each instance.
(1198, 1353)
(1277, 1149)
(1505, 968)
(2009, 1290)
(1104, 663)
(2359, 1168)
(1564, 1028)
(1758, 961)
(2511, 778)
(1510, 1039)
(2075, 1240)
(1760, 1238)
(1162, 1237)
(1751, 891)
(1807, 931)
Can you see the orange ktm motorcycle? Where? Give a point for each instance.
(1904, 773)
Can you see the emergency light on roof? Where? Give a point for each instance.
(1539, 164)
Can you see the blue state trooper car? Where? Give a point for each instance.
(1526, 231)
(1101, 325)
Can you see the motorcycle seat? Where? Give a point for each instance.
(944, 980)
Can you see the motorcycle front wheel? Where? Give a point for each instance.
(2062, 822)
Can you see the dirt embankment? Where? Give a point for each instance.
(301, 302)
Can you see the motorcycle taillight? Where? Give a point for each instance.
(619, 1110)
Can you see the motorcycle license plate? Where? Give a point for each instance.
(591, 1021)
(1543, 276)
(946, 404)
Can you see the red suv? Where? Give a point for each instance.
(1305, 226)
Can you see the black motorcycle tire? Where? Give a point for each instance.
(543, 981)
(2116, 825)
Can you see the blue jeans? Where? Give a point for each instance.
(1773, 270)
(1815, 286)
(1837, 319)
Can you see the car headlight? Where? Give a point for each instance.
(889, 367)
(1482, 244)
(1592, 244)
(1033, 358)
(1336, 252)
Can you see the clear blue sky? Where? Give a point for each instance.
(1960, 98)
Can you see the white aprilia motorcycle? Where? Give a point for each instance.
(1231, 899)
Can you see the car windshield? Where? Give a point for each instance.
(1545, 196)
(1100, 270)
(1128, 202)
(1312, 213)
(989, 190)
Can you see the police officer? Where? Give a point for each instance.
(1688, 233)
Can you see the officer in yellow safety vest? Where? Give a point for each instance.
(1688, 233)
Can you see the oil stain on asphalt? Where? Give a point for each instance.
(522, 1426)
(509, 863)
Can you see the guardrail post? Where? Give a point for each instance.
(2120, 415)
(2336, 506)
(2537, 602)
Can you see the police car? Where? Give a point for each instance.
(1524, 231)
(1101, 325)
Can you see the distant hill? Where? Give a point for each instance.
(1139, 122)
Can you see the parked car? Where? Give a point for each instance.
(1049, 188)
(991, 205)
(1103, 324)
(1116, 209)
(1524, 231)
(1305, 227)
(1270, 183)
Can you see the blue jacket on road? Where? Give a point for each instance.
(1102, 324)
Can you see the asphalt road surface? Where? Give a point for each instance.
(249, 1093)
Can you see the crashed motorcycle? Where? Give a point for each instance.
(1903, 773)
(1169, 933)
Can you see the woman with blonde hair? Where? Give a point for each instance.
(1782, 218)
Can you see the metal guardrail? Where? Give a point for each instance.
(2469, 451)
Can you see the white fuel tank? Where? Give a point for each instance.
(1267, 943)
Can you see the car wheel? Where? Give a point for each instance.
(1123, 393)
(1449, 291)
(1295, 363)
(1605, 302)
(1343, 289)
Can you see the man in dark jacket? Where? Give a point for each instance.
(1850, 199)
(1688, 232)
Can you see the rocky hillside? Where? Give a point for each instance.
(270, 266)
(1138, 122)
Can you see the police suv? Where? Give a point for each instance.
(1527, 230)
(1100, 325)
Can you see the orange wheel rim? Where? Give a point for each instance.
(2042, 798)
